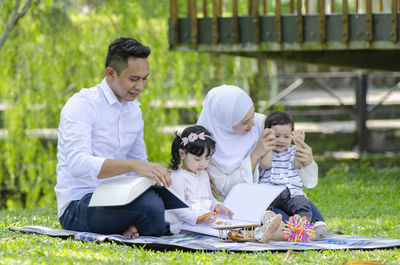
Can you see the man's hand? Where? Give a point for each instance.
(115, 167)
(154, 171)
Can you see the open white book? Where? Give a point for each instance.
(121, 190)
(248, 202)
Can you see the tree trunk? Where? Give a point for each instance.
(13, 20)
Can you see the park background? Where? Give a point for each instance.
(59, 47)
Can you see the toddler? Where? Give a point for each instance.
(287, 166)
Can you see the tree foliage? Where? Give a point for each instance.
(59, 48)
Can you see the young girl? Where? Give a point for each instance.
(194, 148)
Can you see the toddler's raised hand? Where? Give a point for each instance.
(298, 135)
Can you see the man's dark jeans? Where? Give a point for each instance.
(146, 213)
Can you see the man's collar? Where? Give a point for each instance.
(110, 96)
(108, 92)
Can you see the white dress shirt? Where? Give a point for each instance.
(94, 126)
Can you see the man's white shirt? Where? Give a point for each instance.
(94, 126)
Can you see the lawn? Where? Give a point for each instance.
(358, 198)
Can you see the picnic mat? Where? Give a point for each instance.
(194, 242)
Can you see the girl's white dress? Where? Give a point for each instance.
(196, 190)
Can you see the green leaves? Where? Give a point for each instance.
(58, 49)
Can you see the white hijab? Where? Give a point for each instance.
(224, 107)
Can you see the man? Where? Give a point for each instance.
(101, 136)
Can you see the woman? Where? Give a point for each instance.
(228, 113)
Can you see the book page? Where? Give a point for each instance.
(248, 201)
(208, 229)
(120, 190)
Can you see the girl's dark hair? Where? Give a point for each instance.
(197, 147)
(278, 118)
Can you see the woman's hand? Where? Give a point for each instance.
(265, 144)
(224, 210)
(303, 155)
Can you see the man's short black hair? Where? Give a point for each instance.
(278, 118)
(121, 49)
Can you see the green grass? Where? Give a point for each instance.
(356, 198)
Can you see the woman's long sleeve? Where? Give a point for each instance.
(309, 175)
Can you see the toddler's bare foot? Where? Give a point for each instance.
(279, 235)
(270, 228)
(131, 232)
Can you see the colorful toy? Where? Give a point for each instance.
(298, 229)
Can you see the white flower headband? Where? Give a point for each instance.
(193, 137)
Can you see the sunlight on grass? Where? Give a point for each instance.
(354, 200)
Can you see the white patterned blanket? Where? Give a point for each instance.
(196, 242)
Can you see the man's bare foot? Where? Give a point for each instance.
(131, 232)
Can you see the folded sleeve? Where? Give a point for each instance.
(309, 175)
